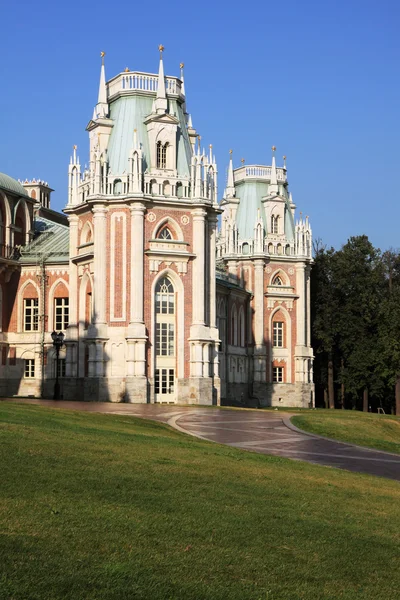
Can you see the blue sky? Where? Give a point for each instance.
(319, 80)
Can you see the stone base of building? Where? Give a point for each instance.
(297, 395)
(136, 390)
(196, 390)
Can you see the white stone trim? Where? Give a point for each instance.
(174, 225)
(20, 315)
(284, 353)
(180, 320)
(114, 217)
(50, 321)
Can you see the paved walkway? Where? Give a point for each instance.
(260, 431)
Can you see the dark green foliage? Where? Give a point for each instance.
(356, 324)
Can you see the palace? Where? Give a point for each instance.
(158, 302)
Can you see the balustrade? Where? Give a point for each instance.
(142, 82)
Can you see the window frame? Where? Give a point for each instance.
(31, 313)
(278, 328)
(29, 368)
(63, 322)
(277, 374)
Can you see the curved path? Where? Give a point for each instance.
(265, 432)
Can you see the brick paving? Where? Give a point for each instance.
(264, 432)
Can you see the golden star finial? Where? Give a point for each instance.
(284, 157)
(181, 65)
(126, 69)
(161, 48)
(273, 148)
(242, 160)
(75, 147)
(102, 54)
(135, 130)
(210, 146)
(230, 151)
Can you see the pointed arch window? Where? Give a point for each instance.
(164, 234)
(162, 155)
(165, 297)
(274, 224)
(277, 281)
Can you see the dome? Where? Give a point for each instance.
(11, 185)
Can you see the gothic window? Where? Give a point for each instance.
(274, 224)
(277, 336)
(165, 297)
(277, 374)
(61, 313)
(277, 281)
(164, 234)
(165, 339)
(31, 314)
(161, 155)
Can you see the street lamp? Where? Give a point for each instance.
(58, 342)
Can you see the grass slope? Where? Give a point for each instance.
(104, 507)
(371, 430)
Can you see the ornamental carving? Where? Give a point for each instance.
(151, 217)
(291, 271)
(184, 220)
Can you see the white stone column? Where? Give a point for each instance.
(212, 250)
(137, 260)
(198, 291)
(73, 275)
(259, 302)
(100, 264)
(136, 335)
(259, 333)
(72, 329)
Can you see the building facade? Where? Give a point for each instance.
(164, 294)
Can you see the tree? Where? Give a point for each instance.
(324, 318)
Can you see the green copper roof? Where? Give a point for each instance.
(9, 184)
(250, 194)
(51, 242)
(128, 113)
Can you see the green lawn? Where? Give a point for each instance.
(374, 431)
(106, 507)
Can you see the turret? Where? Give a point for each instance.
(74, 178)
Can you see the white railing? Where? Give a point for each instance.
(258, 172)
(142, 82)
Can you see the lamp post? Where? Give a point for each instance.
(58, 342)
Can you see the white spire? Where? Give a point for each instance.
(182, 79)
(273, 187)
(230, 185)
(161, 100)
(101, 109)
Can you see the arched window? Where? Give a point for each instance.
(274, 224)
(166, 188)
(277, 334)
(164, 234)
(33, 194)
(117, 187)
(277, 281)
(161, 155)
(165, 297)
